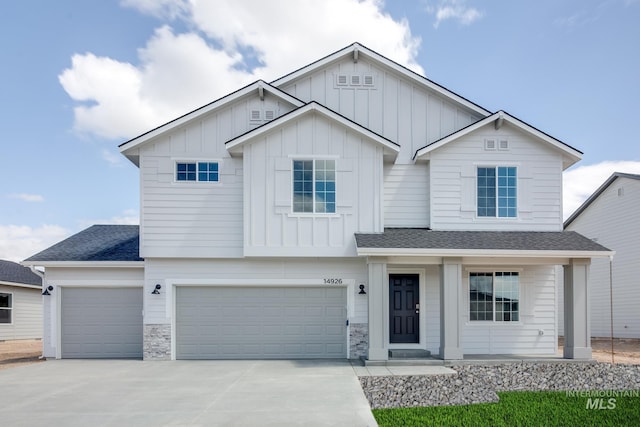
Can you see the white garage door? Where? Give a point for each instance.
(101, 323)
(260, 322)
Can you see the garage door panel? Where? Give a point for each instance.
(101, 323)
(267, 322)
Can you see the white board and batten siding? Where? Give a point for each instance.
(198, 219)
(26, 314)
(271, 227)
(96, 278)
(612, 220)
(393, 105)
(453, 182)
(535, 333)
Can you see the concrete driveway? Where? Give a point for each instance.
(184, 393)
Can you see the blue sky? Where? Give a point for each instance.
(82, 76)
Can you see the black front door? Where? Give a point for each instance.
(404, 308)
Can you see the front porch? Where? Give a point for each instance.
(493, 303)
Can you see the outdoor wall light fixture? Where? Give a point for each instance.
(47, 290)
(156, 291)
(362, 292)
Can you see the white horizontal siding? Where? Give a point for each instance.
(26, 314)
(537, 313)
(612, 220)
(406, 195)
(453, 182)
(395, 107)
(157, 311)
(198, 219)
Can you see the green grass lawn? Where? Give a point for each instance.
(524, 408)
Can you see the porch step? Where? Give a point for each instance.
(409, 354)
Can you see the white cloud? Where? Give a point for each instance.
(232, 43)
(126, 217)
(112, 158)
(581, 182)
(456, 10)
(27, 197)
(18, 242)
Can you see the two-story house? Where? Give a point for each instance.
(349, 208)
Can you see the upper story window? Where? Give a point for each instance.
(314, 186)
(197, 171)
(494, 296)
(6, 305)
(497, 192)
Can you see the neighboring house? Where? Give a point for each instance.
(349, 208)
(610, 217)
(20, 302)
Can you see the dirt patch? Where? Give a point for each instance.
(625, 350)
(19, 352)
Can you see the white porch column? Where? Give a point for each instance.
(450, 302)
(378, 310)
(577, 325)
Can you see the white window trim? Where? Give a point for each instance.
(496, 165)
(9, 309)
(177, 160)
(485, 323)
(293, 214)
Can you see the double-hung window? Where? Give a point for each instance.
(497, 191)
(314, 186)
(197, 171)
(494, 296)
(6, 307)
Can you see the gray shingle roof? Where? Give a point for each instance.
(412, 238)
(16, 273)
(96, 243)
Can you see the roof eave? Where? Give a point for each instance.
(85, 264)
(482, 253)
(20, 285)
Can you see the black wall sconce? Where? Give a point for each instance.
(362, 292)
(156, 291)
(47, 290)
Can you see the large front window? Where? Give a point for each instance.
(6, 305)
(494, 296)
(314, 186)
(497, 192)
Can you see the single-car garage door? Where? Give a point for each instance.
(101, 323)
(260, 322)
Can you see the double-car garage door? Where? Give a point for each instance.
(260, 322)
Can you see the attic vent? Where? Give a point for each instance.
(503, 145)
(255, 115)
(620, 192)
(489, 144)
(355, 80)
(341, 80)
(269, 114)
(368, 80)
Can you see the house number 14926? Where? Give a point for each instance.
(333, 281)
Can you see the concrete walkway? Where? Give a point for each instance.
(185, 393)
(385, 371)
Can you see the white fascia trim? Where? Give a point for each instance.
(86, 264)
(482, 253)
(20, 285)
(576, 155)
(422, 80)
(136, 142)
(311, 107)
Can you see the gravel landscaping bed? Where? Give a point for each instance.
(479, 383)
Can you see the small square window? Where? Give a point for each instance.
(6, 308)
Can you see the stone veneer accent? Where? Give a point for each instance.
(157, 342)
(358, 340)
